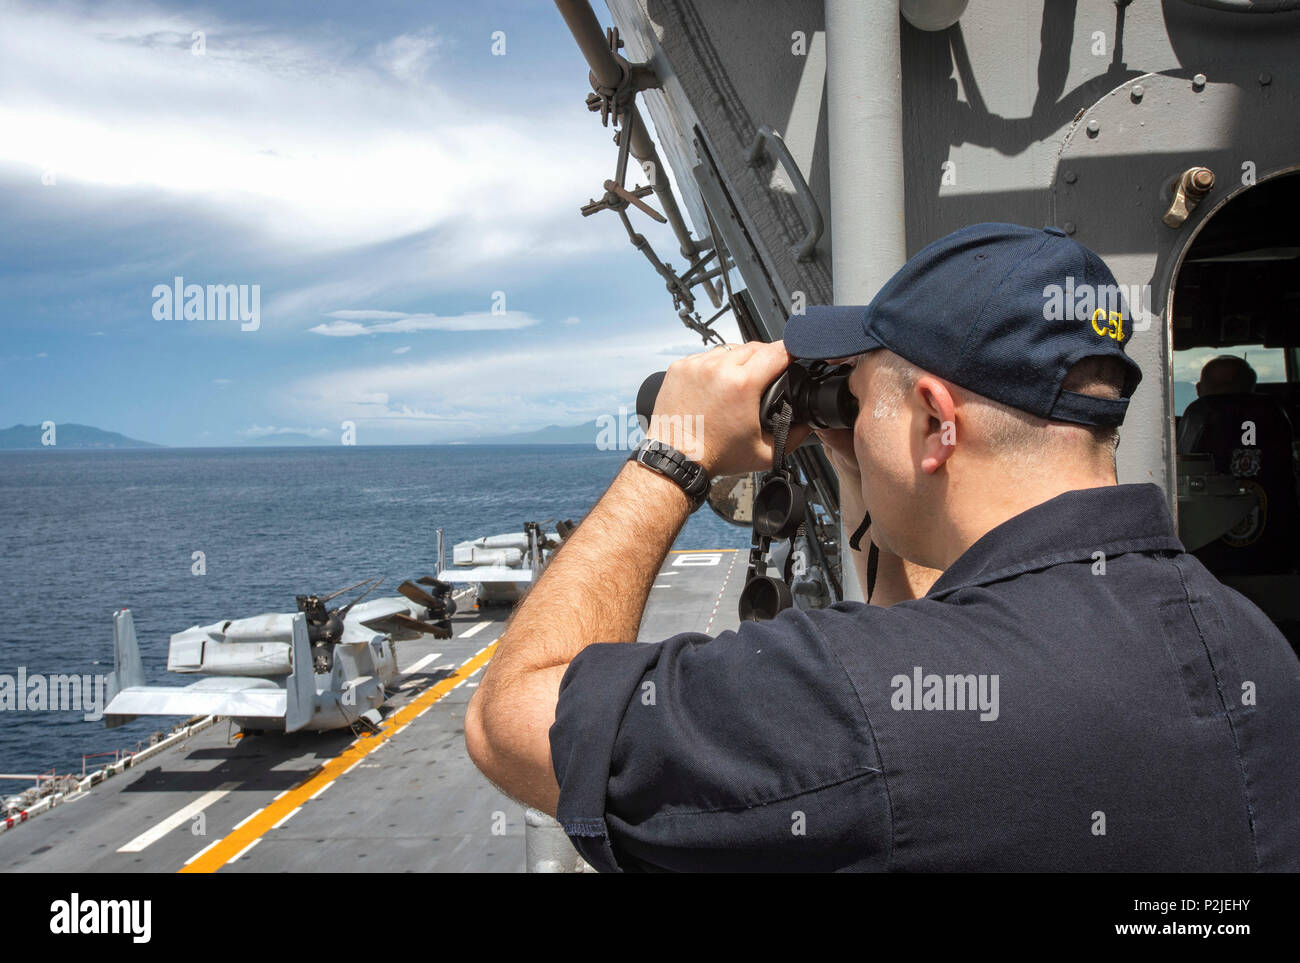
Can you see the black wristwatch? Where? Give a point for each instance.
(672, 464)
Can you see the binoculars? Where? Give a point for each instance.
(818, 394)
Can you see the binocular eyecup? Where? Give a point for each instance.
(779, 510)
(764, 598)
(818, 395)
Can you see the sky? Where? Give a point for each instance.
(396, 203)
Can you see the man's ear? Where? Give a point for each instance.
(939, 411)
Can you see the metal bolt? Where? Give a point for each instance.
(1191, 185)
(1136, 93)
(1265, 78)
(1071, 177)
(1198, 82)
(1094, 128)
(1202, 179)
(1069, 227)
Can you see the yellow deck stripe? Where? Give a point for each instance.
(253, 829)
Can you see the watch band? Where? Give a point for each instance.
(675, 466)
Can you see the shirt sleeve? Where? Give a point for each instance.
(748, 751)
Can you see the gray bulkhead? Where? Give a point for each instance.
(1079, 114)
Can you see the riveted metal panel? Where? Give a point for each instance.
(1113, 184)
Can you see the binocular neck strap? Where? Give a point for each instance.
(780, 430)
(761, 543)
(873, 553)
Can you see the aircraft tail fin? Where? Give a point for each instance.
(128, 670)
(300, 697)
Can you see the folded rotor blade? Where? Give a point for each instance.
(343, 612)
(418, 595)
(334, 595)
(437, 584)
(439, 630)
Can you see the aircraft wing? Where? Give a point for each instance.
(217, 697)
(240, 697)
(486, 573)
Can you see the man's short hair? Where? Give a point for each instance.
(1228, 374)
(1014, 434)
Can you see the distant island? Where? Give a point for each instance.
(584, 434)
(67, 436)
(72, 436)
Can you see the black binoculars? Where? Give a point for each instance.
(818, 394)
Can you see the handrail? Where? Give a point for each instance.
(766, 139)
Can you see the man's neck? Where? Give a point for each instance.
(985, 507)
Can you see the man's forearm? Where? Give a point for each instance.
(596, 586)
(593, 590)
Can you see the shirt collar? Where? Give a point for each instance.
(1068, 528)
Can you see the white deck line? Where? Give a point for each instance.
(244, 850)
(420, 664)
(202, 851)
(289, 815)
(165, 826)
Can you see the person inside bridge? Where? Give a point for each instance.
(1225, 374)
(1073, 692)
(1251, 437)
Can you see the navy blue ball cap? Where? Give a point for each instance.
(999, 309)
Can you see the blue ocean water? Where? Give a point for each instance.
(84, 533)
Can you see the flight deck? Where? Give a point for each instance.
(404, 799)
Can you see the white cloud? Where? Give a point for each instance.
(400, 323)
(291, 136)
(484, 393)
(368, 315)
(266, 431)
(402, 350)
(407, 57)
(681, 350)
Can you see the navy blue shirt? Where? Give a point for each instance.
(1075, 692)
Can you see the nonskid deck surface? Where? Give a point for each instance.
(407, 799)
